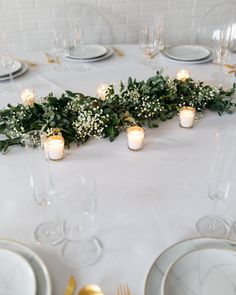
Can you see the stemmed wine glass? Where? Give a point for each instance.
(222, 40)
(49, 232)
(219, 184)
(61, 49)
(79, 44)
(159, 28)
(79, 206)
(7, 62)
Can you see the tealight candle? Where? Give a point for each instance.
(28, 97)
(186, 117)
(54, 147)
(135, 135)
(182, 75)
(101, 91)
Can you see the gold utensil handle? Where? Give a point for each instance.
(118, 52)
(27, 62)
(71, 285)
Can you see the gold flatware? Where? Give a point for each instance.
(50, 59)
(123, 289)
(90, 290)
(70, 288)
(152, 55)
(118, 52)
(25, 61)
(229, 66)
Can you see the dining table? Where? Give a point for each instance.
(147, 199)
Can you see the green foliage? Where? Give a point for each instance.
(80, 117)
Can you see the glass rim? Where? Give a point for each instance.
(187, 108)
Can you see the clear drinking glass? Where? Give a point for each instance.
(79, 46)
(79, 206)
(158, 20)
(61, 49)
(147, 43)
(222, 42)
(49, 232)
(219, 183)
(7, 62)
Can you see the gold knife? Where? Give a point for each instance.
(117, 52)
(27, 62)
(70, 288)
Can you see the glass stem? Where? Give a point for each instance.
(81, 55)
(221, 72)
(212, 224)
(10, 76)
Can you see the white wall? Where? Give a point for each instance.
(31, 21)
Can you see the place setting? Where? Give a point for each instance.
(89, 53)
(193, 54)
(194, 266)
(22, 271)
(203, 265)
(11, 67)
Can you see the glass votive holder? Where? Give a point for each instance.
(182, 75)
(186, 117)
(28, 97)
(135, 136)
(54, 147)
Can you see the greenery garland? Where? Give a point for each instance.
(79, 117)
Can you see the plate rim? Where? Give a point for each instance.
(186, 254)
(30, 256)
(23, 69)
(107, 55)
(188, 45)
(90, 45)
(14, 71)
(200, 61)
(26, 263)
(151, 268)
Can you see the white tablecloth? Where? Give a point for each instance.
(147, 200)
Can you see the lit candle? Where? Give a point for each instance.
(54, 147)
(186, 117)
(182, 75)
(101, 91)
(135, 135)
(28, 97)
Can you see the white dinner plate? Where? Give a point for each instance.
(41, 273)
(204, 271)
(16, 275)
(15, 67)
(209, 58)
(20, 72)
(87, 52)
(105, 56)
(166, 258)
(187, 52)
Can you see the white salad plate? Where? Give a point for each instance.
(16, 275)
(105, 56)
(187, 52)
(162, 263)
(87, 52)
(43, 282)
(204, 271)
(16, 66)
(20, 72)
(200, 61)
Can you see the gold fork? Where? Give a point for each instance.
(123, 289)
